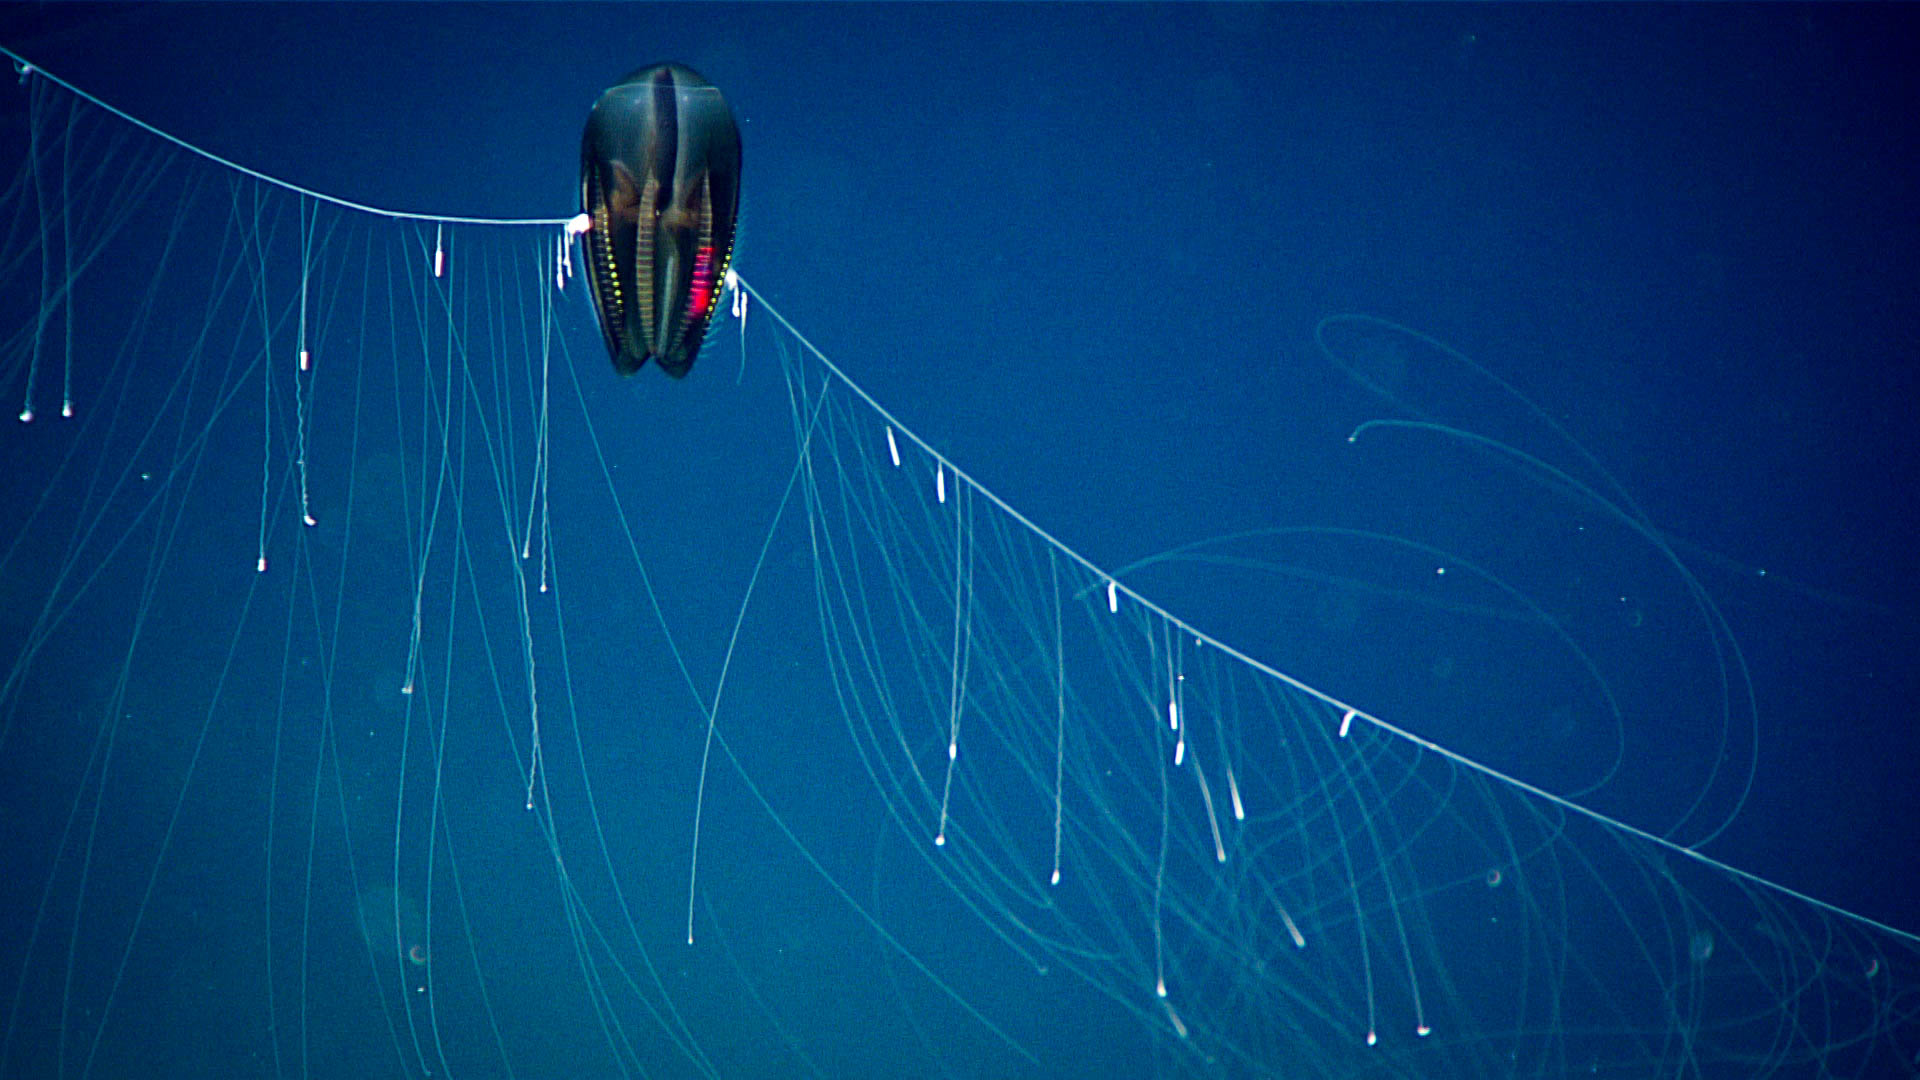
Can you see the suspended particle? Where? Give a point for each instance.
(1700, 945)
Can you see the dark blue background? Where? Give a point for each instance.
(1083, 250)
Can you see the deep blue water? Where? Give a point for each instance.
(1083, 250)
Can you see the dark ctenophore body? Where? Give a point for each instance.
(660, 178)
